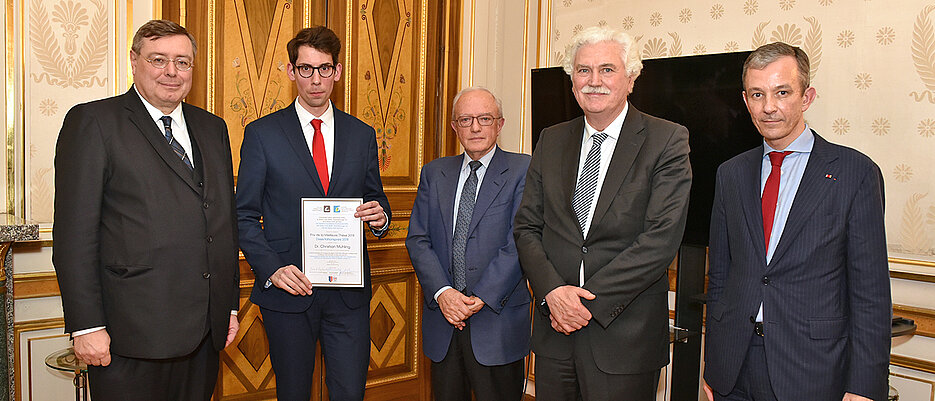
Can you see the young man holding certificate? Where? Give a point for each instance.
(309, 150)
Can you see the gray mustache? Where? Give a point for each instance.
(596, 89)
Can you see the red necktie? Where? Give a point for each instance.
(771, 193)
(318, 154)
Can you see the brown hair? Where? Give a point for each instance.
(319, 38)
(767, 54)
(160, 28)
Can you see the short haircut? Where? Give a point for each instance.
(596, 34)
(475, 89)
(319, 38)
(767, 54)
(160, 28)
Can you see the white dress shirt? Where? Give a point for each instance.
(179, 127)
(607, 152)
(327, 130)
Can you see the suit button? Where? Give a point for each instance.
(765, 280)
(210, 239)
(584, 249)
(201, 184)
(206, 275)
(206, 205)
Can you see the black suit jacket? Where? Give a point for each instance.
(826, 291)
(143, 245)
(276, 172)
(634, 236)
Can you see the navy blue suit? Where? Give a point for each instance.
(826, 291)
(499, 331)
(276, 171)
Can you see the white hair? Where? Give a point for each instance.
(474, 89)
(596, 34)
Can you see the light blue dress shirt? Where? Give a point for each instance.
(793, 168)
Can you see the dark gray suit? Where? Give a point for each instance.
(143, 245)
(634, 235)
(826, 291)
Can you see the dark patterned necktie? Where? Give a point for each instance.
(465, 212)
(176, 147)
(587, 181)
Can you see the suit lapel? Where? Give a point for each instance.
(292, 130)
(341, 146)
(490, 188)
(750, 199)
(446, 190)
(628, 146)
(201, 156)
(147, 127)
(813, 187)
(571, 152)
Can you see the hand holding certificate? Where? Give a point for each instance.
(332, 242)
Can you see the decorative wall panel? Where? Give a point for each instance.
(251, 63)
(873, 66)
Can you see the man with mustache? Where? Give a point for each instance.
(601, 219)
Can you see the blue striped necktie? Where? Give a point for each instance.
(176, 147)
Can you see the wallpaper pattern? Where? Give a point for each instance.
(873, 64)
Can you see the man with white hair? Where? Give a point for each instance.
(613, 186)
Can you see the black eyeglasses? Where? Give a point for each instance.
(161, 62)
(484, 120)
(306, 71)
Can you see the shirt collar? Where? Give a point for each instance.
(802, 144)
(156, 114)
(305, 117)
(484, 160)
(612, 130)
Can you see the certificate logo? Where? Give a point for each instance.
(332, 279)
(337, 208)
(327, 208)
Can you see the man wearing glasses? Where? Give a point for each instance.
(145, 238)
(475, 320)
(309, 149)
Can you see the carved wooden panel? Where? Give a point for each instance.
(398, 78)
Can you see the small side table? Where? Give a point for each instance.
(66, 361)
(901, 327)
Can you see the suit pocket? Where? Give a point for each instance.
(715, 310)
(128, 271)
(821, 329)
(280, 245)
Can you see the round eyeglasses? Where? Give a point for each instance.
(484, 120)
(161, 62)
(306, 71)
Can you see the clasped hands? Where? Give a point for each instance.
(457, 307)
(566, 311)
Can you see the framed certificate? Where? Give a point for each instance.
(332, 242)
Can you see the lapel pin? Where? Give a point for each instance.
(830, 177)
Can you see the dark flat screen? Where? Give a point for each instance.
(703, 93)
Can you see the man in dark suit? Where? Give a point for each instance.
(308, 150)
(461, 246)
(798, 293)
(602, 217)
(145, 230)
